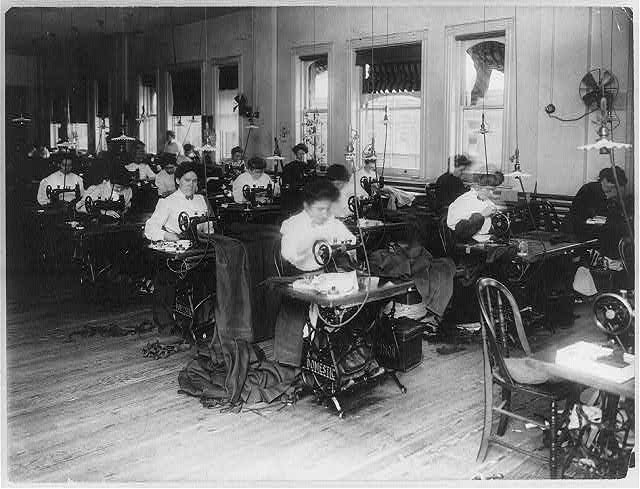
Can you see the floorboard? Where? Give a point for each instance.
(95, 410)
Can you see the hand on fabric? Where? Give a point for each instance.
(171, 236)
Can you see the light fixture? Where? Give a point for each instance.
(517, 172)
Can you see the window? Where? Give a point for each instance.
(387, 84)
(102, 116)
(147, 112)
(185, 107)
(478, 88)
(312, 102)
(227, 121)
(78, 115)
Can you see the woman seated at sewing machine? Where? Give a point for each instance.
(111, 197)
(61, 183)
(369, 183)
(254, 176)
(140, 165)
(469, 216)
(165, 179)
(339, 177)
(314, 223)
(299, 233)
(163, 225)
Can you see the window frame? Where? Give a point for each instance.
(379, 41)
(298, 78)
(453, 63)
(215, 65)
(148, 112)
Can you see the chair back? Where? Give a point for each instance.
(625, 249)
(545, 215)
(499, 317)
(446, 236)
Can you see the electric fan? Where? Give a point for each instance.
(598, 84)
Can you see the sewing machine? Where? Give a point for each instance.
(99, 207)
(500, 227)
(324, 252)
(53, 194)
(340, 350)
(189, 225)
(258, 195)
(372, 185)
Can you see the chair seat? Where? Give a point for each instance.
(549, 390)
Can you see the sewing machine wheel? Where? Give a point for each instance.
(352, 203)
(246, 192)
(49, 190)
(612, 313)
(365, 183)
(88, 204)
(183, 221)
(500, 224)
(322, 252)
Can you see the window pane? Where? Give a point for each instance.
(315, 135)
(227, 123)
(80, 134)
(102, 131)
(190, 130)
(321, 91)
(403, 131)
(473, 140)
(484, 73)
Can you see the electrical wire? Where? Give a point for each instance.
(366, 258)
(573, 119)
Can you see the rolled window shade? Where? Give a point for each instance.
(398, 53)
(185, 86)
(394, 68)
(228, 78)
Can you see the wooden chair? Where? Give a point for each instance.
(501, 328)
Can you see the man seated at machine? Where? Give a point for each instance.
(599, 198)
(469, 216)
(61, 184)
(254, 176)
(163, 224)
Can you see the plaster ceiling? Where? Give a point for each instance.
(28, 27)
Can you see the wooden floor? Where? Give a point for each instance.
(96, 410)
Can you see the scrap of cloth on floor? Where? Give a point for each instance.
(234, 374)
(433, 276)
